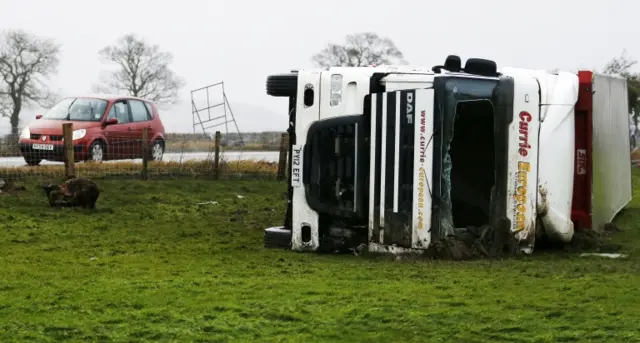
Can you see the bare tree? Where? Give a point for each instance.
(142, 70)
(26, 61)
(622, 66)
(360, 49)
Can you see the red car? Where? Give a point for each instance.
(104, 128)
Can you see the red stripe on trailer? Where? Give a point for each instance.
(582, 175)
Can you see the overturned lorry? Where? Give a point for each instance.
(398, 158)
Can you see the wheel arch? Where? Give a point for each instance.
(159, 137)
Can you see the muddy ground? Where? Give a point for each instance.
(478, 243)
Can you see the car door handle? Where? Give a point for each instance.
(129, 128)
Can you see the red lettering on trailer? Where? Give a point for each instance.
(525, 118)
(581, 161)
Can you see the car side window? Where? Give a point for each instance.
(119, 110)
(139, 111)
(150, 109)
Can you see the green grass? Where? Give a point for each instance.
(152, 265)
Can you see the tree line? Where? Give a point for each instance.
(143, 70)
(138, 68)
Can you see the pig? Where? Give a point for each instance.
(73, 192)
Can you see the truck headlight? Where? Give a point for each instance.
(78, 134)
(26, 134)
(336, 89)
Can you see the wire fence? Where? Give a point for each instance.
(139, 154)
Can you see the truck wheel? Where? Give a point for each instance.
(277, 237)
(282, 85)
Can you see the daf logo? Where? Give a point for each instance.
(409, 108)
(44, 138)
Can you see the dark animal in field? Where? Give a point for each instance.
(74, 192)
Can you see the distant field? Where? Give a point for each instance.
(182, 261)
(176, 143)
(209, 145)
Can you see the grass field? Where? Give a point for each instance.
(152, 265)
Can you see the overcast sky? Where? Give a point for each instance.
(242, 42)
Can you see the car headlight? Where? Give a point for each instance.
(78, 134)
(26, 134)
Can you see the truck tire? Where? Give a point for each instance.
(277, 237)
(282, 85)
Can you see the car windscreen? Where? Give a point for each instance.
(77, 109)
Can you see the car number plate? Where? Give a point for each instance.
(43, 147)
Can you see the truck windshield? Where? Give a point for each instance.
(472, 158)
(465, 159)
(77, 109)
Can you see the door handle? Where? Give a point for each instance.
(129, 128)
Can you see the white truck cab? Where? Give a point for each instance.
(397, 157)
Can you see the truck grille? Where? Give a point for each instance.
(392, 125)
(331, 164)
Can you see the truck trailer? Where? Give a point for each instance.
(398, 157)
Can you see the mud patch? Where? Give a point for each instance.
(485, 243)
(592, 241)
(470, 243)
(481, 242)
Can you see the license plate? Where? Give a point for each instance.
(48, 147)
(296, 167)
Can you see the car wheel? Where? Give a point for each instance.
(96, 151)
(277, 237)
(32, 161)
(157, 150)
(282, 85)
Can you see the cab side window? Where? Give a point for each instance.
(120, 111)
(139, 111)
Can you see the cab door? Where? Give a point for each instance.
(120, 137)
(400, 130)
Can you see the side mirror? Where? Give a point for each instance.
(111, 121)
(38, 116)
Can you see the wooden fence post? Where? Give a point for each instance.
(69, 160)
(216, 158)
(282, 160)
(145, 153)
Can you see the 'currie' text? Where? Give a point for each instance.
(524, 146)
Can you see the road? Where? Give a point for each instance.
(270, 156)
